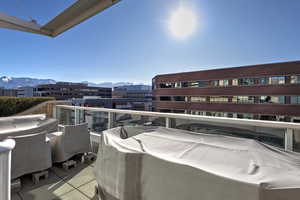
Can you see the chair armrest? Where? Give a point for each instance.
(54, 134)
(61, 127)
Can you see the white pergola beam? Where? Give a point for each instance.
(80, 11)
(77, 13)
(11, 22)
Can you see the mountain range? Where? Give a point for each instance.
(14, 82)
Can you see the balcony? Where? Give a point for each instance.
(79, 183)
(281, 134)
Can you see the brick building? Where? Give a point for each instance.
(267, 91)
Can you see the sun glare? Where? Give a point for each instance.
(182, 22)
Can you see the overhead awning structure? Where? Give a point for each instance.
(75, 14)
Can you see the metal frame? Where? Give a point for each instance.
(78, 12)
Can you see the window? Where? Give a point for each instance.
(235, 82)
(246, 81)
(295, 99)
(230, 115)
(272, 99)
(195, 112)
(179, 111)
(179, 98)
(153, 84)
(263, 80)
(248, 116)
(224, 83)
(198, 99)
(278, 99)
(214, 83)
(243, 99)
(194, 84)
(218, 99)
(165, 98)
(199, 84)
(265, 99)
(295, 79)
(277, 80)
(166, 85)
(165, 110)
(203, 83)
(215, 114)
(184, 84)
(178, 85)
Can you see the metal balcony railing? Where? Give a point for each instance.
(281, 134)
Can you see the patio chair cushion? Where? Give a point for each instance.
(24, 125)
(32, 153)
(73, 139)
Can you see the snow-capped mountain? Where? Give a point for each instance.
(12, 82)
(110, 84)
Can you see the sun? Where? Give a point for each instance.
(182, 22)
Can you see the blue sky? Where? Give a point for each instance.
(131, 41)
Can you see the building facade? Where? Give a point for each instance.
(66, 90)
(133, 91)
(267, 92)
(8, 92)
(26, 91)
(115, 103)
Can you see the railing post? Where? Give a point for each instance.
(288, 139)
(168, 122)
(6, 147)
(56, 112)
(77, 116)
(111, 120)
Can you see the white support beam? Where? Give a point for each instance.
(78, 12)
(11, 22)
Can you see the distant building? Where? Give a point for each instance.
(26, 91)
(115, 103)
(8, 92)
(139, 96)
(267, 92)
(133, 91)
(67, 90)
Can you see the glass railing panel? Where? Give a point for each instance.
(297, 140)
(138, 120)
(272, 136)
(66, 116)
(97, 121)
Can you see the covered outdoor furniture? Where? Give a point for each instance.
(32, 153)
(24, 125)
(71, 140)
(171, 164)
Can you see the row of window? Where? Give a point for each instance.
(235, 115)
(235, 99)
(273, 80)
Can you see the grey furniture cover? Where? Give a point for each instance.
(72, 140)
(24, 125)
(32, 153)
(170, 164)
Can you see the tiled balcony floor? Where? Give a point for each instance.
(75, 184)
